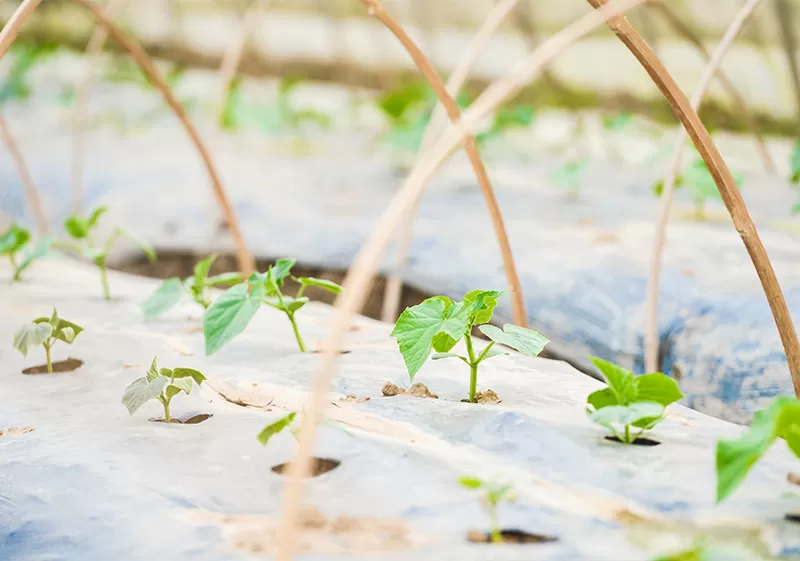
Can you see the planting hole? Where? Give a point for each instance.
(318, 466)
(793, 517)
(191, 419)
(317, 351)
(637, 442)
(60, 366)
(509, 536)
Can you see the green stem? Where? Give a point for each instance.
(485, 351)
(473, 367)
(628, 434)
(296, 333)
(13, 261)
(497, 536)
(167, 417)
(47, 354)
(104, 280)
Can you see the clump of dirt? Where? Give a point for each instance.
(418, 389)
(14, 431)
(351, 398)
(252, 534)
(509, 536)
(488, 396)
(793, 478)
(60, 366)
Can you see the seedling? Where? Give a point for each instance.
(438, 323)
(781, 419)
(794, 167)
(46, 331)
(161, 384)
(630, 402)
(13, 243)
(493, 494)
(26, 56)
(713, 552)
(507, 118)
(230, 314)
(81, 230)
(173, 289)
(294, 425)
(570, 176)
(701, 183)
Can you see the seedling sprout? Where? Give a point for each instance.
(630, 402)
(493, 494)
(438, 323)
(13, 243)
(161, 384)
(46, 331)
(697, 177)
(173, 289)
(81, 230)
(230, 314)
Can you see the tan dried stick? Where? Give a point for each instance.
(357, 282)
(515, 287)
(31, 192)
(394, 284)
(11, 28)
(651, 342)
(740, 107)
(114, 9)
(233, 54)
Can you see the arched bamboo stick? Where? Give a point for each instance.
(31, 192)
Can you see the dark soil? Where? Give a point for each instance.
(182, 265)
(318, 466)
(191, 419)
(637, 442)
(793, 517)
(60, 366)
(511, 535)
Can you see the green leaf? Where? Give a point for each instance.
(657, 387)
(140, 242)
(736, 457)
(281, 269)
(293, 304)
(95, 216)
(419, 325)
(440, 356)
(230, 314)
(31, 335)
(38, 251)
(195, 375)
(618, 122)
(614, 416)
(183, 384)
(521, 339)
(173, 390)
(521, 116)
(276, 427)
(201, 270)
(602, 398)
(330, 286)
(470, 482)
(481, 304)
(153, 372)
(794, 163)
(224, 279)
(702, 182)
(619, 380)
(493, 352)
(570, 174)
(165, 297)
(13, 239)
(66, 331)
(142, 390)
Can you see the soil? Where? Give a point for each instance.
(418, 389)
(191, 419)
(793, 517)
(351, 398)
(181, 264)
(511, 535)
(637, 442)
(318, 466)
(60, 366)
(14, 431)
(793, 478)
(488, 396)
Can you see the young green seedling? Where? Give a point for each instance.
(295, 426)
(46, 331)
(26, 56)
(81, 230)
(438, 324)
(781, 419)
(630, 402)
(161, 384)
(12, 241)
(701, 183)
(493, 495)
(173, 289)
(507, 118)
(570, 176)
(713, 552)
(230, 314)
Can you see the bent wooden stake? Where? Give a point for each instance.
(31, 192)
(515, 287)
(357, 282)
(724, 180)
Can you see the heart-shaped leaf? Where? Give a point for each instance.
(276, 427)
(526, 341)
(165, 297)
(195, 375)
(142, 390)
(13, 239)
(31, 335)
(230, 314)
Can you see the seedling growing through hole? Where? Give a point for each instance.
(493, 495)
(507, 118)
(46, 331)
(288, 421)
(630, 402)
(161, 384)
(230, 314)
(781, 419)
(173, 289)
(81, 231)
(13, 243)
(438, 323)
(701, 183)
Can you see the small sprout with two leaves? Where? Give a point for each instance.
(438, 324)
(46, 331)
(81, 230)
(287, 421)
(173, 289)
(781, 419)
(629, 401)
(507, 118)
(12, 243)
(161, 384)
(230, 314)
(493, 494)
(701, 183)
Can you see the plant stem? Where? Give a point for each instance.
(485, 352)
(47, 354)
(167, 417)
(497, 536)
(473, 367)
(296, 333)
(628, 434)
(13, 261)
(104, 280)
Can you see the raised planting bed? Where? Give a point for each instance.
(84, 480)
